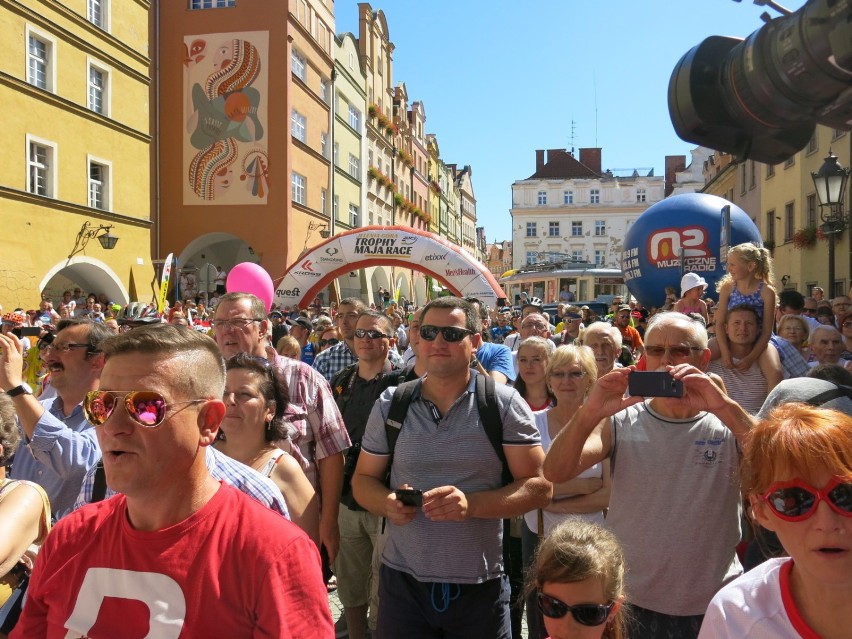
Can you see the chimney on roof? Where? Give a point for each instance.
(539, 160)
(552, 154)
(674, 164)
(591, 158)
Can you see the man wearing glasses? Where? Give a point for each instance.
(675, 501)
(178, 552)
(61, 445)
(318, 433)
(442, 568)
(356, 389)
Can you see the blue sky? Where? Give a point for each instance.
(501, 79)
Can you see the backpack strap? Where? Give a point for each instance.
(396, 416)
(489, 415)
(99, 487)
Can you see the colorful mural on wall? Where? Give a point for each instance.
(226, 84)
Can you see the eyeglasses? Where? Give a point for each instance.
(370, 333)
(796, 501)
(584, 614)
(674, 351)
(539, 326)
(146, 408)
(62, 348)
(330, 342)
(234, 324)
(568, 374)
(450, 334)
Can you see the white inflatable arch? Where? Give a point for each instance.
(386, 245)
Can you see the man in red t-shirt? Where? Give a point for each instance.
(629, 336)
(177, 554)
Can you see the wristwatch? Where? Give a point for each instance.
(20, 389)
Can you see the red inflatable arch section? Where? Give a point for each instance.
(386, 245)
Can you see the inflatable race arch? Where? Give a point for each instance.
(386, 246)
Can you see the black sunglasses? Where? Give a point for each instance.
(584, 614)
(372, 334)
(450, 334)
(329, 342)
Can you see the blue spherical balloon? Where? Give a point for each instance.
(691, 222)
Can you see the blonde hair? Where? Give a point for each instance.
(752, 254)
(289, 346)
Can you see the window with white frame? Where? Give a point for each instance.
(577, 228)
(568, 197)
(212, 4)
(577, 256)
(40, 62)
(324, 93)
(298, 65)
(298, 126)
(600, 257)
(41, 168)
(324, 201)
(600, 227)
(553, 229)
(595, 196)
(532, 257)
(354, 118)
(354, 166)
(324, 144)
(336, 154)
(641, 195)
(532, 229)
(96, 12)
(542, 198)
(353, 215)
(98, 89)
(299, 188)
(99, 182)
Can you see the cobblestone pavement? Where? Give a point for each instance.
(337, 610)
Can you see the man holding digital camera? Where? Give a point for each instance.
(675, 500)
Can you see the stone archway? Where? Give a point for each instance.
(92, 275)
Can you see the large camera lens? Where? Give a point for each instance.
(762, 97)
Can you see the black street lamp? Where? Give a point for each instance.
(830, 182)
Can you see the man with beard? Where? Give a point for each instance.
(61, 444)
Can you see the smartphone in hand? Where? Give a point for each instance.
(653, 384)
(410, 496)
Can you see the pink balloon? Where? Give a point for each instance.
(248, 277)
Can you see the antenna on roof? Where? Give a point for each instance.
(573, 136)
(595, 85)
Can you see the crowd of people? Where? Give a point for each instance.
(447, 468)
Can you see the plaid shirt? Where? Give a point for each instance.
(333, 360)
(221, 467)
(792, 362)
(316, 427)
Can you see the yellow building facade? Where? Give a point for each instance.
(76, 150)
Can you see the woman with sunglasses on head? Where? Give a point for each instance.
(797, 474)
(577, 582)
(256, 400)
(570, 373)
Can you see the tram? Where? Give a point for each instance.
(588, 282)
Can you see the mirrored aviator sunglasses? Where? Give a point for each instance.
(584, 614)
(145, 408)
(796, 500)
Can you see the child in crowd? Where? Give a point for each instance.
(288, 346)
(692, 287)
(578, 575)
(749, 281)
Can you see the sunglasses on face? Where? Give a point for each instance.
(449, 333)
(372, 334)
(584, 614)
(146, 408)
(796, 500)
(674, 351)
(328, 342)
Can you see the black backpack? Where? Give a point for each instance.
(489, 413)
